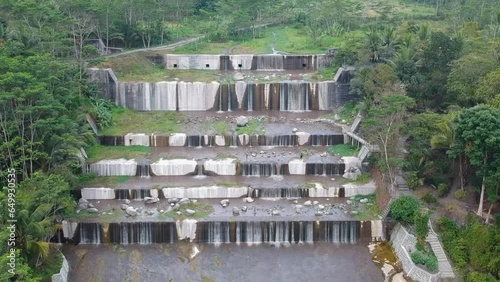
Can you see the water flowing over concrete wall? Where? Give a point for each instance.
(378, 232)
(297, 167)
(69, 229)
(294, 95)
(221, 167)
(136, 139)
(205, 192)
(98, 193)
(116, 167)
(177, 139)
(173, 167)
(247, 62)
(352, 189)
(186, 229)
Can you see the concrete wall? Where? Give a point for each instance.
(403, 244)
(62, 276)
(291, 95)
(246, 62)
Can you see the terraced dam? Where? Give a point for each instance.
(272, 204)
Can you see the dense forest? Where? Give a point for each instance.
(428, 72)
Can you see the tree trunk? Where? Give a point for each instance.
(462, 182)
(489, 212)
(483, 187)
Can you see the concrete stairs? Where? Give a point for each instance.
(444, 265)
(386, 211)
(363, 153)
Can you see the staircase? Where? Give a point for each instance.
(356, 123)
(401, 183)
(363, 153)
(387, 209)
(444, 265)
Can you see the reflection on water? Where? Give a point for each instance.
(228, 262)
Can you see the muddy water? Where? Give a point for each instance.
(228, 262)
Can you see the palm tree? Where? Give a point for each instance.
(390, 42)
(373, 41)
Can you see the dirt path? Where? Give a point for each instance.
(163, 47)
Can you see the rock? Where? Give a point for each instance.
(184, 201)
(336, 117)
(236, 211)
(172, 204)
(332, 179)
(318, 213)
(348, 202)
(238, 76)
(92, 210)
(189, 212)
(150, 212)
(176, 207)
(127, 201)
(178, 213)
(83, 200)
(321, 207)
(91, 205)
(124, 206)
(307, 203)
(162, 211)
(354, 212)
(294, 130)
(298, 211)
(295, 201)
(363, 201)
(343, 121)
(244, 208)
(131, 211)
(173, 200)
(82, 206)
(241, 121)
(151, 200)
(276, 212)
(261, 152)
(224, 203)
(248, 200)
(194, 201)
(315, 203)
(298, 206)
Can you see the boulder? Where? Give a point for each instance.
(127, 201)
(294, 130)
(248, 200)
(176, 207)
(307, 203)
(363, 201)
(184, 201)
(173, 200)
(224, 203)
(315, 202)
(241, 121)
(190, 212)
(92, 210)
(276, 212)
(238, 76)
(151, 200)
(236, 211)
(318, 213)
(295, 201)
(131, 211)
(321, 207)
(244, 208)
(91, 205)
(124, 206)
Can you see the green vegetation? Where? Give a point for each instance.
(202, 211)
(343, 150)
(129, 121)
(362, 178)
(254, 126)
(473, 247)
(221, 128)
(99, 152)
(227, 184)
(368, 210)
(404, 208)
(425, 259)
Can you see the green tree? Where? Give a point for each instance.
(477, 135)
(404, 208)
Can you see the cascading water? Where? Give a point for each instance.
(280, 193)
(213, 232)
(142, 232)
(258, 169)
(143, 170)
(89, 233)
(340, 232)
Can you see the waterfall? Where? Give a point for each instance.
(173, 167)
(377, 230)
(197, 96)
(297, 167)
(234, 141)
(213, 232)
(302, 138)
(143, 170)
(219, 109)
(205, 192)
(186, 229)
(136, 139)
(326, 139)
(221, 167)
(258, 169)
(280, 193)
(142, 233)
(98, 193)
(139, 194)
(69, 229)
(340, 232)
(122, 194)
(116, 167)
(248, 232)
(89, 233)
(284, 140)
(177, 139)
(324, 168)
(194, 140)
(229, 109)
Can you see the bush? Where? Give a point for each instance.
(428, 260)
(442, 189)
(421, 226)
(412, 179)
(429, 198)
(404, 208)
(460, 194)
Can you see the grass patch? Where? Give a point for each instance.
(227, 184)
(366, 211)
(99, 152)
(348, 112)
(253, 127)
(202, 211)
(127, 121)
(343, 150)
(91, 180)
(221, 127)
(308, 185)
(361, 179)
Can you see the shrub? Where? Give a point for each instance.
(421, 226)
(412, 179)
(442, 189)
(460, 194)
(404, 208)
(429, 198)
(428, 260)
